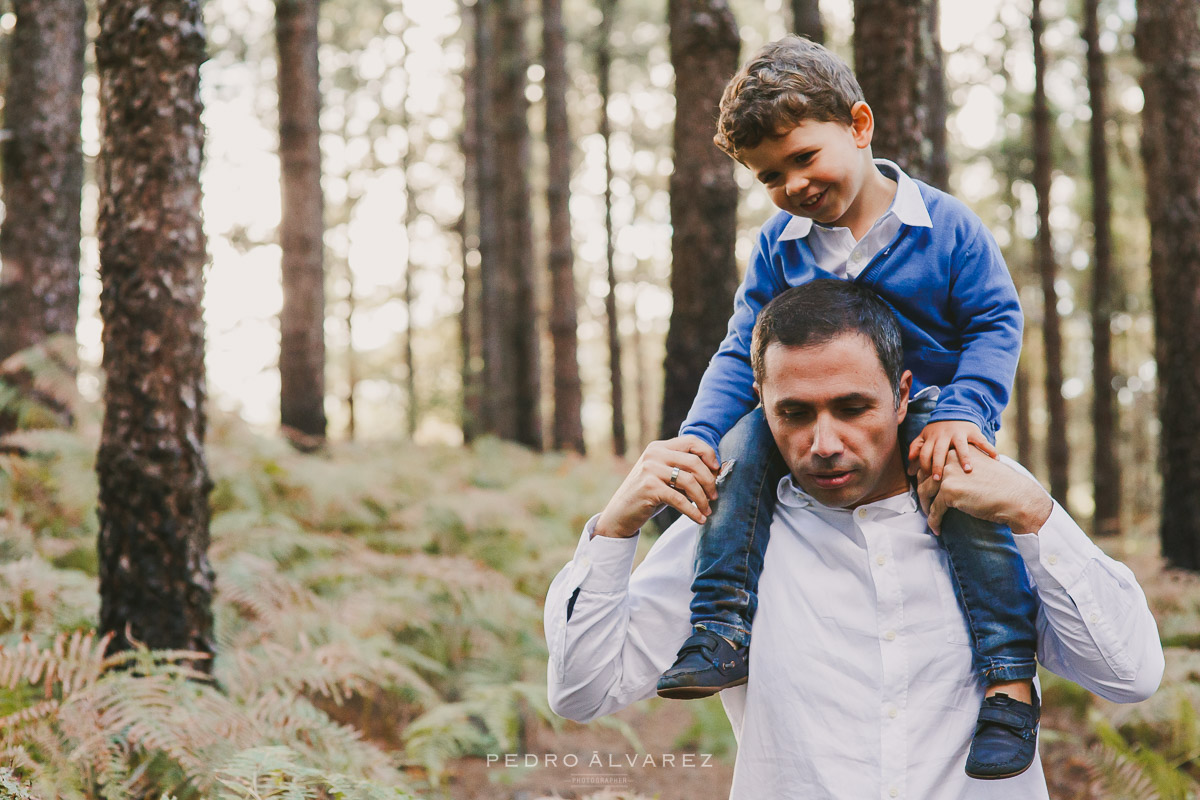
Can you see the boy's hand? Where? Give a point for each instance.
(928, 451)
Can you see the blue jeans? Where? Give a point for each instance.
(986, 569)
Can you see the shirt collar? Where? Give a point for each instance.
(908, 205)
(791, 495)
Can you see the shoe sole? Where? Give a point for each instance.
(697, 692)
(999, 777)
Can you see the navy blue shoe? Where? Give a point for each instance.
(1005, 740)
(706, 664)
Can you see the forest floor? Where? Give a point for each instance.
(385, 600)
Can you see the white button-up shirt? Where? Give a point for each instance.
(837, 251)
(860, 672)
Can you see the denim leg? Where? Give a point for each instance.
(990, 581)
(729, 555)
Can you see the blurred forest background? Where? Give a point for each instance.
(325, 326)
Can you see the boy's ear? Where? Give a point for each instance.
(862, 123)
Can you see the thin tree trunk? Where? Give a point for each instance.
(1106, 475)
(704, 52)
(302, 225)
(469, 225)
(806, 20)
(568, 392)
(894, 56)
(43, 174)
(411, 212)
(512, 395)
(1057, 454)
(155, 580)
(351, 355)
(616, 373)
(1168, 44)
(641, 369)
(937, 173)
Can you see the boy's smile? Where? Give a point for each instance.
(823, 171)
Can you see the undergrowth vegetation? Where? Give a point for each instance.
(378, 617)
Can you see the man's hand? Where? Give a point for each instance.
(992, 491)
(928, 451)
(648, 487)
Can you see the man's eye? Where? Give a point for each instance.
(854, 411)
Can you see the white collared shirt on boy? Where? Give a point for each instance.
(836, 250)
(860, 672)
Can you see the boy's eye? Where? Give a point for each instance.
(804, 158)
(769, 178)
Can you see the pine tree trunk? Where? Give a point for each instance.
(411, 212)
(1057, 454)
(704, 195)
(512, 394)
(351, 356)
(43, 174)
(153, 506)
(937, 173)
(568, 392)
(302, 225)
(468, 229)
(806, 20)
(894, 51)
(1106, 475)
(1168, 44)
(616, 373)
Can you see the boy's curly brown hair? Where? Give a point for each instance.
(786, 82)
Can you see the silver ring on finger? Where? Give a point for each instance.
(674, 477)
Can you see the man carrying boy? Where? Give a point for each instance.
(862, 684)
(795, 116)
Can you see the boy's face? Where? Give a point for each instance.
(817, 169)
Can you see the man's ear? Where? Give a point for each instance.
(862, 124)
(757, 391)
(903, 391)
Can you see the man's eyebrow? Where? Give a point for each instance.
(849, 398)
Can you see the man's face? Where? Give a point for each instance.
(832, 413)
(817, 169)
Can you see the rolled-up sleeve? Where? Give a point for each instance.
(611, 635)
(1094, 625)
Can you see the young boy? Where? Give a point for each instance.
(795, 116)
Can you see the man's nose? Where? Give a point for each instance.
(826, 442)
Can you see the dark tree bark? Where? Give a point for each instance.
(469, 227)
(1106, 475)
(937, 173)
(704, 52)
(302, 223)
(806, 20)
(568, 392)
(351, 356)
(1168, 44)
(43, 174)
(512, 393)
(894, 54)
(155, 579)
(1057, 454)
(616, 373)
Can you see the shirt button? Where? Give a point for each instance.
(893, 713)
(1052, 560)
(881, 560)
(1094, 617)
(861, 513)
(890, 636)
(894, 792)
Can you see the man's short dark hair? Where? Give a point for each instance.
(820, 311)
(785, 83)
